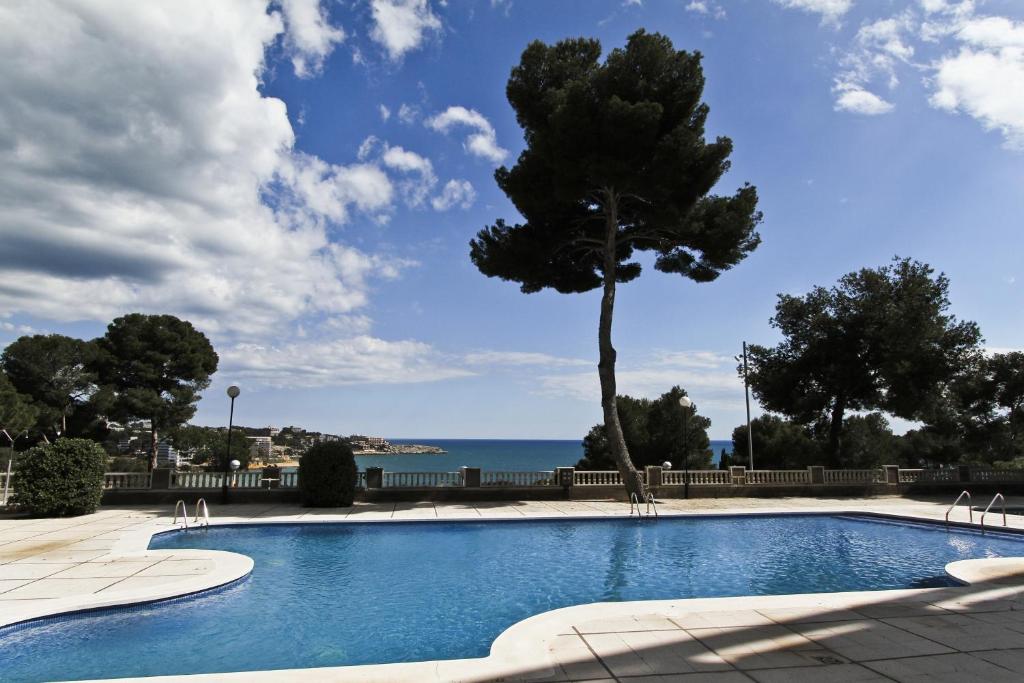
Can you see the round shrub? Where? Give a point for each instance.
(61, 479)
(327, 476)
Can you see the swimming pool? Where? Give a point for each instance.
(336, 594)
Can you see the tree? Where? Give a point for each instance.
(17, 413)
(615, 162)
(155, 365)
(779, 444)
(1006, 377)
(654, 433)
(880, 339)
(56, 372)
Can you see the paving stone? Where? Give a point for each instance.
(58, 588)
(950, 668)
(836, 673)
(961, 632)
(760, 647)
(868, 639)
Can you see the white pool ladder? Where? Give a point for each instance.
(970, 509)
(634, 502)
(201, 506)
(996, 497)
(180, 505)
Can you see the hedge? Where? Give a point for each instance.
(61, 479)
(327, 475)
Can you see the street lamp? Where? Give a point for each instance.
(746, 394)
(687, 405)
(233, 392)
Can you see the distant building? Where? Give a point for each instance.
(167, 455)
(124, 444)
(274, 431)
(260, 448)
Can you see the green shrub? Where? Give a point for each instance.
(327, 475)
(61, 479)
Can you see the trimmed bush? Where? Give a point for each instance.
(327, 476)
(61, 479)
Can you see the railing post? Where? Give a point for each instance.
(738, 473)
(653, 474)
(565, 476)
(374, 477)
(965, 473)
(892, 474)
(471, 477)
(817, 474)
(161, 479)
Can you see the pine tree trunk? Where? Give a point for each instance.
(606, 364)
(152, 446)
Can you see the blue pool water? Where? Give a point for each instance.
(335, 594)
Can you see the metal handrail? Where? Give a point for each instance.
(634, 500)
(206, 512)
(650, 502)
(970, 508)
(184, 513)
(996, 497)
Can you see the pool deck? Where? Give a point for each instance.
(963, 633)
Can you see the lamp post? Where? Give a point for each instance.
(233, 392)
(746, 395)
(687, 405)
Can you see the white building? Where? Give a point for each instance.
(260, 447)
(167, 455)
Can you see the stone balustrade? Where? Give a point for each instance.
(568, 477)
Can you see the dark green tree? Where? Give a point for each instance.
(653, 430)
(1006, 377)
(17, 414)
(779, 444)
(880, 339)
(57, 373)
(155, 365)
(616, 162)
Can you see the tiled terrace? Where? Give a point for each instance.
(958, 634)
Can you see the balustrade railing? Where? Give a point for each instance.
(513, 479)
(910, 476)
(596, 478)
(253, 479)
(997, 475)
(125, 480)
(778, 477)
(854, 476)
(947, 475)
(401, 480)
(197, 480)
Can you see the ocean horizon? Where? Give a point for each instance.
(511, 455)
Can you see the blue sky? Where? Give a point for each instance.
(301, 180)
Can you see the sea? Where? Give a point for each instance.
(508, 455)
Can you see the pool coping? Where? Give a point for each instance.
(524, 640)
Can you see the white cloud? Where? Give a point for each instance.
(831, 11)
(401, 25)
(408, 114)
(416, 188)
(359, 359)
(988, 86)
(181, 193)
(856, 100)
(385, 113)
(522, 358)
(482, 142)
(455, 193)
(707, 8)
(309, 36)
(709, 377)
